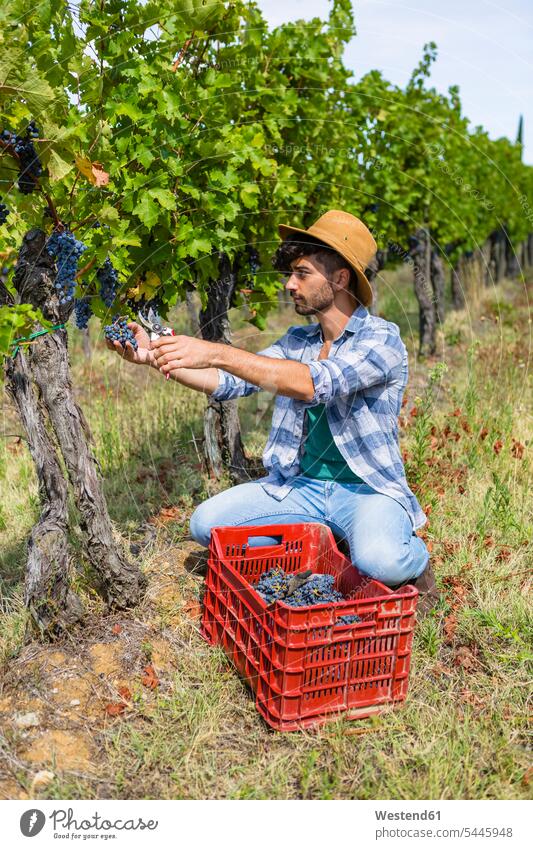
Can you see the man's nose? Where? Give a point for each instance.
(290, 283)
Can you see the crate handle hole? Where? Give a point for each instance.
(263, 541)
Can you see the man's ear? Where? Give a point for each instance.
(343, 278)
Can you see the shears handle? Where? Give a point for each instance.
(165, 331)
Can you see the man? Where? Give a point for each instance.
(332, 455)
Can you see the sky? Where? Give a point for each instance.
(484, 47)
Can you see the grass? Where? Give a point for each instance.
(462, 732)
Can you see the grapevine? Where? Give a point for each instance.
(66, 250)
(4, 212)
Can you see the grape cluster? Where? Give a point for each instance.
(253, 260)
(108, 278)
(319, 589)
(120, 332)
(4, 212)
(30, 168)
(32, 130)
(83, 312)
(348, 620)
(66, 250)
(253, 263)
(272, 584)
(143, 306)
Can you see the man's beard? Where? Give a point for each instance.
(317, 303)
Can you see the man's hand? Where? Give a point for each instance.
(143, 355)
(171, 352)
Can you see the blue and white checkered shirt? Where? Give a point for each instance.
(361, 384)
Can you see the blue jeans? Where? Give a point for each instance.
(377, 528)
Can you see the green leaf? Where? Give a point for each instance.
(57, 166)
(147, 211)
(19, 82)
(128, 109)
(164, 197)
(108, 214)
(248, 195)
(17, 321)
(199, 246)
(126, 239)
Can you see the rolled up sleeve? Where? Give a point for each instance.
(371, 362)
(230, 386)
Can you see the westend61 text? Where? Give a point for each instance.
(407, 815)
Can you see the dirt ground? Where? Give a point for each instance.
(56, 700)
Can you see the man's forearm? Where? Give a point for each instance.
(202, 379)
(280, 376)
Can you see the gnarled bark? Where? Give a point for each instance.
(121, 581)
(54, 607)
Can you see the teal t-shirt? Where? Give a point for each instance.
(322, 459)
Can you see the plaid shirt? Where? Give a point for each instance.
(361, 383)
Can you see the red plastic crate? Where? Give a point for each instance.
(303, 665)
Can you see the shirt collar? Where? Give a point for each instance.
(353, 325)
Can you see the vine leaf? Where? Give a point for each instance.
(57, 166)
(33, 89)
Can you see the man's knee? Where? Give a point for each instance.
(225, 508)
(384, 561)
(200, 525)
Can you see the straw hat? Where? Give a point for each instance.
(349, 237)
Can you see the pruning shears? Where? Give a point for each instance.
(153, 324)
(295, 582)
